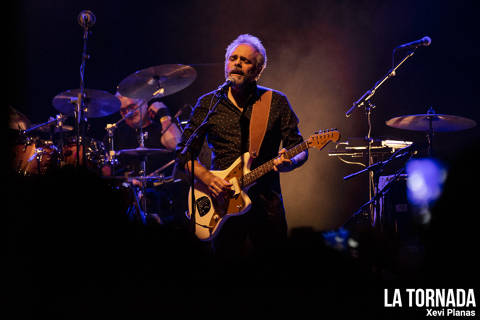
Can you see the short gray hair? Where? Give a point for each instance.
(255, 43)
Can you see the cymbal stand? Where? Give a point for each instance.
(143, 174)
(371, 174)
(430, 131)
(365, 100)
(110, 130)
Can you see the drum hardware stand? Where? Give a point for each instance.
(140, 201)
(377, 168)
(112, 160)
(143, 174)
(430, 131)
(364, 100)
(59, 119)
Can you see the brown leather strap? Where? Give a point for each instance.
(259, 122)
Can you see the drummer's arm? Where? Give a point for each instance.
(171, 134)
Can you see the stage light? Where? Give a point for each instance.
(425, 179)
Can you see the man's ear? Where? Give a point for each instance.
(258, 71)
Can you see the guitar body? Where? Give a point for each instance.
(211, 213)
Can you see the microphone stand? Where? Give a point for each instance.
(365, 100)
(186, 149)
(80, 118)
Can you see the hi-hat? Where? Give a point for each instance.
(141, 152)
(98, 103)
(158, 81)
(439, 122)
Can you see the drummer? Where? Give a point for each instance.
(153, 120)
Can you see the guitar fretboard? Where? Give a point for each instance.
(265, 168)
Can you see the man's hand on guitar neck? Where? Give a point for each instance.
(216, 185)
(282, 164)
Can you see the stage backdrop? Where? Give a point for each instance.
(322, 54)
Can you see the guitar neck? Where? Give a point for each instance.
(265, 168)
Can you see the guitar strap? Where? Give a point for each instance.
(259, 122)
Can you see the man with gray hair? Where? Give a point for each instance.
(263, 229)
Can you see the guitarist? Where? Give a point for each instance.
(263, 229)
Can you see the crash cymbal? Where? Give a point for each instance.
(17, 120)
(158, 81)
(440, 122)
(99, 103)
(141, 152)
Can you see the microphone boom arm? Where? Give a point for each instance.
(371, 92)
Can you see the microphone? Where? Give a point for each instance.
(130, 114)
(224, 87)
(86, 19)
(425, 41)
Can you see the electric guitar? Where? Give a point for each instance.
(211, 213)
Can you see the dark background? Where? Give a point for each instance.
(322, 54)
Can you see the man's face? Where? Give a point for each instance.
(241, 65)
(135, 105)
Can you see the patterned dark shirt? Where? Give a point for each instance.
(227, 132)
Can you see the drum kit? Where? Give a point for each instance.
(47, 146)
(428, 123)
(376, 154)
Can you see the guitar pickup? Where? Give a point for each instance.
(236, 187)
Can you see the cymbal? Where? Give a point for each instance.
(17, 120)
(440, 122)
(158, 81)
(99, 103)
(142, 152)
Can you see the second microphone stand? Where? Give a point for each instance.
(365, 100)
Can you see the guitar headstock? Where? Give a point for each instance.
(321, 138)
